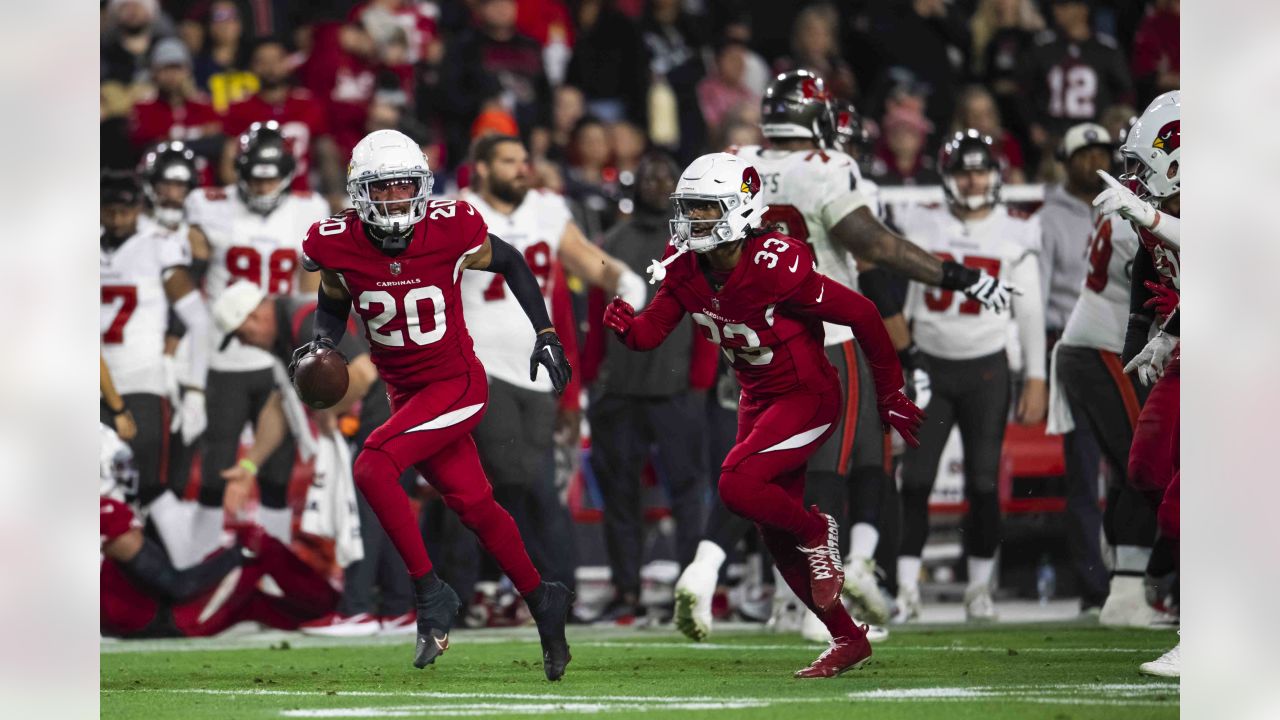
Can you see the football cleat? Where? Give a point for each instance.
(695, 590)
(1167, 665)
(908, 603)
(826, 566)
(978, 605)
(840, 657)
(405, 624)
(552, 603)
(437, 605)
(1126, 606)
(862, 588)
(813, 630)
(337, 625)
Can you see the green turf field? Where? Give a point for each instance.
(1054, 671)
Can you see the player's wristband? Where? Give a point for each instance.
(249, 465)
(956, 276)
(115, 413)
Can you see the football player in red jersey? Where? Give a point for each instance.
(399, 257)
(1152, 152)
(757, 295)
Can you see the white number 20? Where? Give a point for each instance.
(413, 322)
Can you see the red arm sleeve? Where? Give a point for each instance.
(593, 351)
(703, 357)
(821, 297)
(562, 320)
(655, 322)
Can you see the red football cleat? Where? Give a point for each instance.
(842, 656)
(826, 567)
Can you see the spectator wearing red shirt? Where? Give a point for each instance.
(417, 22)
(301, 116)
(976, 108)
(177, 112)
(724, 91)
(341, 73)
(1155, 51)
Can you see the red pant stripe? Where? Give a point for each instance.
(850, 407)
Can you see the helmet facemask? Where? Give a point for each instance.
(989, 197)
(701, 236)
(394, 216)
(263, 203)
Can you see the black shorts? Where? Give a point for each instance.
(859, 438)
(515, 437)
(233, 399)
(1104, 400)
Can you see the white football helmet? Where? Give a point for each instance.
(723, 179)
(118, 476)
(388, 156)
(1152, 148)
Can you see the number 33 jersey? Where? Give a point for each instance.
(410, 303)
(244, 245)
(808, 192)
(499, 327)
(949, 324)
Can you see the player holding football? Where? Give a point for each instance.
(249, 231)
(1152, 152)
(817, 196)
(964, 345)
(757, 295)
(399, 258)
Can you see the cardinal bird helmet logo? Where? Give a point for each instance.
(1169, 138)
(750, 181)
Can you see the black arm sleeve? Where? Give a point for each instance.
(331, 317)
(151, 569)
(1140, 318)
(876, 284)
(956, 276)
(1171, 325)
(520, 279)
(199, 268)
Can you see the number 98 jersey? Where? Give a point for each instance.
(808, 192)
(410, 303)
(244, 245)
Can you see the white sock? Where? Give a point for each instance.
(908, 570)
(710, 554)
(863, 539)
(980, 571)
(206, 531)
(173, 519)
(278, 522)
(1132, 558)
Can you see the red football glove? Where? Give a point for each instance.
(1164, 300)
(618, 316)
(901, 414)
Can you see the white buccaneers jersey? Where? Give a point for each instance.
(808, 192)
(135, 311)
(500, 329)
(244, 245)
(949, 324)
(1101, 314)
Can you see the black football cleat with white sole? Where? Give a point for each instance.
(551, 604)
(437, 606)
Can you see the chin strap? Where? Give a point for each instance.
(658, 269)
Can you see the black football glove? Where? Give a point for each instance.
(307, 349)
(548, 352)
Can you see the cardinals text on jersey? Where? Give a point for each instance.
(808, 192)
(135, 311)
(411, 303)
(498, 325)
(244, 245)
(947, 323)
(1101, 315)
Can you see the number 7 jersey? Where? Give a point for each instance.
(410, 303)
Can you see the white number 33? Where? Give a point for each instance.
(763, 255)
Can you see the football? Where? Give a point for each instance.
(321, 378)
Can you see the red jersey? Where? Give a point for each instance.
(124, 609)
(767, 318)
(1164, 257)
(157, 121)
(302, 120)
(410, 303)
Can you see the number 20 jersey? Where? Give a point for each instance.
(499, 327)
(808, 192)
(244, 245)
(410, 303)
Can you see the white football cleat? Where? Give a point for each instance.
(908, 603)
(1126, 606)
(978, 605)
(861, 586)
(336, 625)
(694, 590)
(1167, 665)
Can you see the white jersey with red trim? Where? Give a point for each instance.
(947, 323)
(135, 312)
(501, 331)
(1101, 314)
(244, 245)
(807, 193)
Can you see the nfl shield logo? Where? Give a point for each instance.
(715, 304)
(395, 268)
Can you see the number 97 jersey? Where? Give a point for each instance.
(410, 303)
(808, 192)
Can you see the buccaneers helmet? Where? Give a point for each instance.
(969, 150)
(264, 155)
(796, 105)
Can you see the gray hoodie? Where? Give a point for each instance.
(1066, 224)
